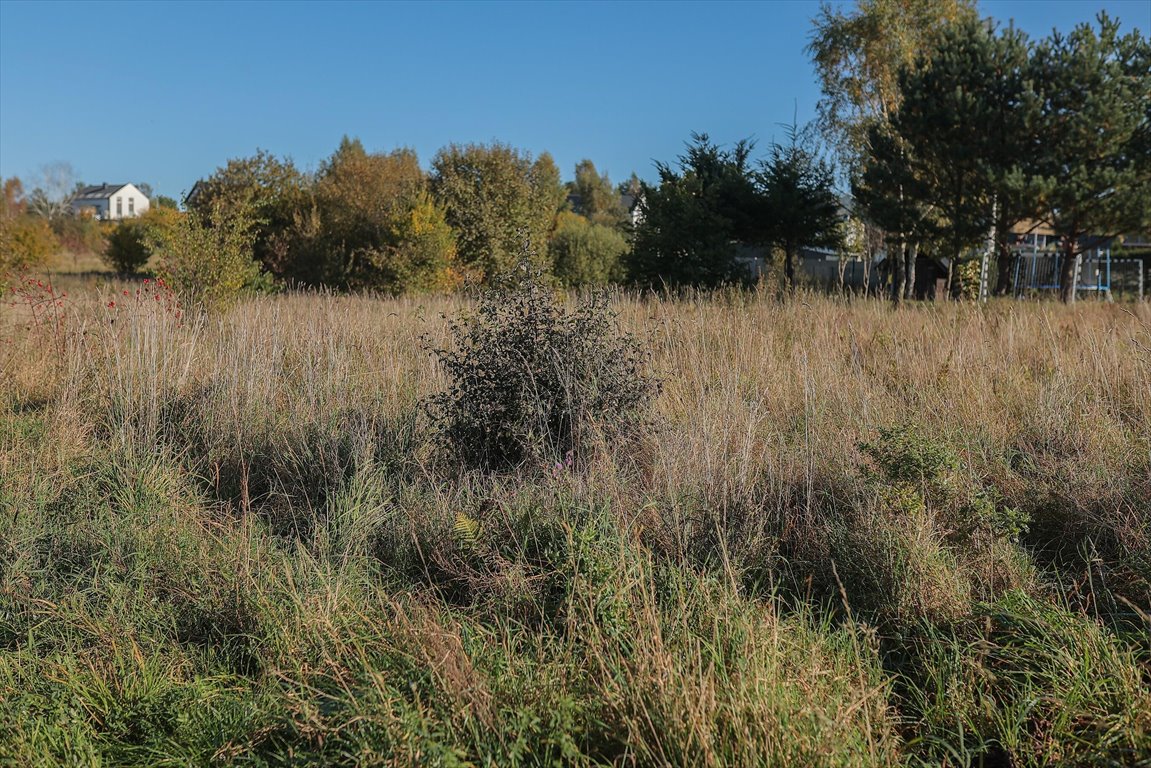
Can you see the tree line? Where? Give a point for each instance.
(949, 134)
(362, 220)
(954, 134)
(38, 223)
(377, 221)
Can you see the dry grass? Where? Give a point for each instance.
(232, 531)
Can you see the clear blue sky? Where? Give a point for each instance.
(166, 92)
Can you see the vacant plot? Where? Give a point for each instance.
(840, 535)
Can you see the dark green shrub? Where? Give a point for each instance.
(532, 380)
(127, 250)
(131, 241)
(903, 455)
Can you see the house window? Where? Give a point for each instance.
(119, 207)
(131, 206)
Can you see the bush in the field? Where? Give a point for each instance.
(129, 243)
(532, 380)
(211, 262)
(25, 242)
(912, 471)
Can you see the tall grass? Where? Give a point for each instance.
(228, 539)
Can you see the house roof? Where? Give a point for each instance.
(98, 192)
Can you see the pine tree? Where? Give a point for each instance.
(887, 193)
(1095, 87)
(797, 199)
(695, 218)
(971, 119)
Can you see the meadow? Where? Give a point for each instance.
(848, 535)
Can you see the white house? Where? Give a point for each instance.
(111, 201)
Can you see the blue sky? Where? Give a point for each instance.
(166, 92)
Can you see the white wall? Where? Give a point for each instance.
(134, 203)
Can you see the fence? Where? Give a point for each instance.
(1128, 278)
(1095, 271)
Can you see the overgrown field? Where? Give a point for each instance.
(841, 535)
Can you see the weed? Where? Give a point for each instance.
(915, 473)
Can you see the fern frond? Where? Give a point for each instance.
(466, 529)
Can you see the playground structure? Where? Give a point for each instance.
(1100, 270)
(1038, 264)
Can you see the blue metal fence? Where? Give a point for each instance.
(1040, 271)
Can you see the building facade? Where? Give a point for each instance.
(110, 202)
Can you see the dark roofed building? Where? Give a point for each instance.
(110, 201)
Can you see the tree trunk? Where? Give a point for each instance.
(789, 268)
(1067, 272)
(1004, 264)
(912, 256)
(898, 274)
